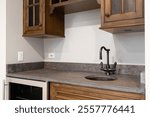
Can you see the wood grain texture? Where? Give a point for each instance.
(49, 26)
(60, 91)
(72, 6)
(123, 21)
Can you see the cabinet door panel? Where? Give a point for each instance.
(38, 22)
(30, 2)
(34, 13)
(37, 15)
(116, 6)
(36, 1)
(116, 10)
(30, 18)
(33, 16)
(129, 6)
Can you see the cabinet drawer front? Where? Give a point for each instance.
(73, 92)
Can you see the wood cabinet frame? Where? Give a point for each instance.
(131, 21)
(39, 29)
(50, 25)
(123, 16)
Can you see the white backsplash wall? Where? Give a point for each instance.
(130, 48)
(32, 47)
(81, 44)
(83, 39)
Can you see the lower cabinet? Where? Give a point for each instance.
(60, 91)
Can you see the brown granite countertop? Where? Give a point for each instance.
(126, 83)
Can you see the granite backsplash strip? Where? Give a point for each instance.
(11, 68)
(130, 69)
(83, 67)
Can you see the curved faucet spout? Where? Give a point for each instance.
(107, 50)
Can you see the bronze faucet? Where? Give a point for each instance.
(108, 69)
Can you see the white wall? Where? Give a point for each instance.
(32, 48)
(83, 40)
(147, 48)
(81, 44)
(2, 44)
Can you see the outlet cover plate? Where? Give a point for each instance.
(20, 56)
(51, 55)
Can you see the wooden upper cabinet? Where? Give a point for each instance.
(122, 15)
(37, 20)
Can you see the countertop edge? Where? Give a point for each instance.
(140, 89)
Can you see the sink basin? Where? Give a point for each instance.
(100, 78)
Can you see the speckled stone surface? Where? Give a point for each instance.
(126, 83)
(12, 68)
(83, 67)
(130, 69)
(121, 69)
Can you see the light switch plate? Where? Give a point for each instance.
(142, 77)
(20, 56)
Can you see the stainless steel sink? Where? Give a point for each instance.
(100, 78)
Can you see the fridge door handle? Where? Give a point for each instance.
(5, 86)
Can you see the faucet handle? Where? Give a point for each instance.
(101, 65)
(115, 64)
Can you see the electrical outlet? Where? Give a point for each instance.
(51, 55)
(20, 56)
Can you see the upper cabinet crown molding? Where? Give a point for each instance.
(122, 15)
(72, 6)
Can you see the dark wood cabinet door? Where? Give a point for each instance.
(38, 22)
(123, 9)
(33, 16)
(119, 16)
